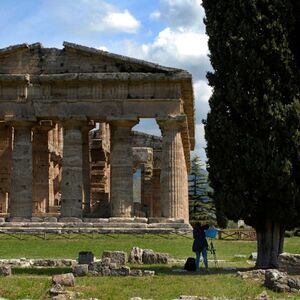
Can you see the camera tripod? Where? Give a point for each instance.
(212, 250)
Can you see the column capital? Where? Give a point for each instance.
(122, 122)
(171, 122)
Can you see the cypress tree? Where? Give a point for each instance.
(252, 130)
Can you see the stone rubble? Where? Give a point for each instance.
(273, 279)
(148, 256)
(289, 263)
(117, 257)
(281, 282)
(112, 263)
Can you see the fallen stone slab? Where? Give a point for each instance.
(67, 279)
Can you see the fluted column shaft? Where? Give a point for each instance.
(86, 169)
(121, 168)
(72, 175)
(172, 170)
(5, 163)
(21, 177)
(41, 162)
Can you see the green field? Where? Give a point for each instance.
(167, 284)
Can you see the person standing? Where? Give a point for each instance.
(200, 244)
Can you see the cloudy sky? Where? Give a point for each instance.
(168, 32)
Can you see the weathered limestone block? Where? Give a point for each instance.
(151, 257)
(148, 273)
(81, 270)
(5, 270)
(122, 271)
(64, 279)
(96, 267)
(118, 257)
(96, 220)
(136, 255)
(50, 219)
(70, 219)
(289, 263)
(136, 272)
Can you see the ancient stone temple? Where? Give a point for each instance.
(67, 147)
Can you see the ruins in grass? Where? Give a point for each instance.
(66, 142)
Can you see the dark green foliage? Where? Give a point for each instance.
(252, 130)
(200, 203)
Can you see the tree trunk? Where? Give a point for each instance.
(270, 238)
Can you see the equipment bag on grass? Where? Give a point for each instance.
(190, 264)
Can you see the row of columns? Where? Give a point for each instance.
(75, 186)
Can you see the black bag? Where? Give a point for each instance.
(190, 264)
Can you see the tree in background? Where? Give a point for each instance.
(252, 130)
(201, 205)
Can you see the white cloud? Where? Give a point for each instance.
(202, 93)
(200, 142)
(181, 43)
(180, 13)
(155, 15)
(103, 48)
(85, 17)
(185, 49)
(115, 21)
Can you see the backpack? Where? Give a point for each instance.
(190, 264)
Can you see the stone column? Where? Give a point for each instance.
(41, 160)
(121, 168)
(21, 177)
(55, 149)
(86, 200)
(5, 163)
(172, 170)
(72, 179)
(156, 193)
(147, 199)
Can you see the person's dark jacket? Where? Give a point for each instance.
(200, 241)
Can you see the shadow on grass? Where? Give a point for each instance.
(40, 271)
(179, 271)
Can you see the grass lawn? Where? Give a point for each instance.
(165, 285)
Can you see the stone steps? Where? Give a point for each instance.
(85, 228)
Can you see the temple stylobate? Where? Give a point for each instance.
(66, 142)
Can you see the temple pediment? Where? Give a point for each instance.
(34, 59)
